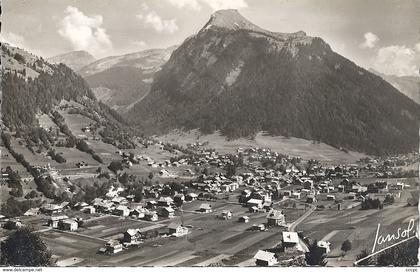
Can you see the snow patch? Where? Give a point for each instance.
(233, 74)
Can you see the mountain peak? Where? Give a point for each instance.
(74, 59)
(230, 19)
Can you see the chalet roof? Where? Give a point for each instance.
(132, 232)
(169, 209)
(165, 199)
(290, 237)
(174, 225)
(323, 244)
(255, 201)
(205, 206)
(275, 214)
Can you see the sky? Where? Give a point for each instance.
(379, 34)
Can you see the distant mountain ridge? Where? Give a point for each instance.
(75, 59)
(121, 81)
(408, 85)
(235, 77)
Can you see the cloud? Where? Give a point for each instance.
(213, 4)
(151, 19)
(85, 32)
(226, 4)
(191, 4)
(397, 60)
(17, 40)
(139, 43)
(370, 40)
(417, 47)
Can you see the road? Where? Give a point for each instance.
(293, 226)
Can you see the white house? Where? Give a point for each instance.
(265, 258)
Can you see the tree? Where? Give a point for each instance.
(404, 254)
(364, 253)
(115, 166)
(25, 248)
(151, 175)
(315, 255)
(346, 246)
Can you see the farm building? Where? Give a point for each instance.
(291, 243)
(122, 211)
(325, 246)
(113, 246)
(330, 197)
(258, 203)
(151, 216)
(165, 201)
(311, 199)
(226, 215)
(191, 197)
(132, 236)
(275, 218)
(244, 219)
(205, 207)
(68, 224)
(177, 229)
(167, 212)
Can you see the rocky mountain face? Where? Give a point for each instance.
(408, 85)
(121, 81)
(235, 77)
(75, 59)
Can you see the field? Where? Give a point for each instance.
(359, 226)
(291, 146)
(210, 239)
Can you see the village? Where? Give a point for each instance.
(244, 209)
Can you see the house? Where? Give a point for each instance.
(89, 209)
(308, 184)
(177, 230)
(167, 212)
(32, 212)
(191, 197)
(179, 198)
(311, 199)
(137, 213)
(12, 224)
(51, 209)
(330, 197)
(113, 246)
(151, 216)
(275, 218)
(80, 205)
(132, 236)
(254, 209)
(122, 211)
(226, 215)
(340, 188)
(165, 201)
(291, 243)
(324, 246)
(151, 204)
(244, 219)
(351, 195)
(54, 220)
(258, 203)
(265, 258)
(267, 206)
(68, 224)
(205, 208)
(295, 195)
